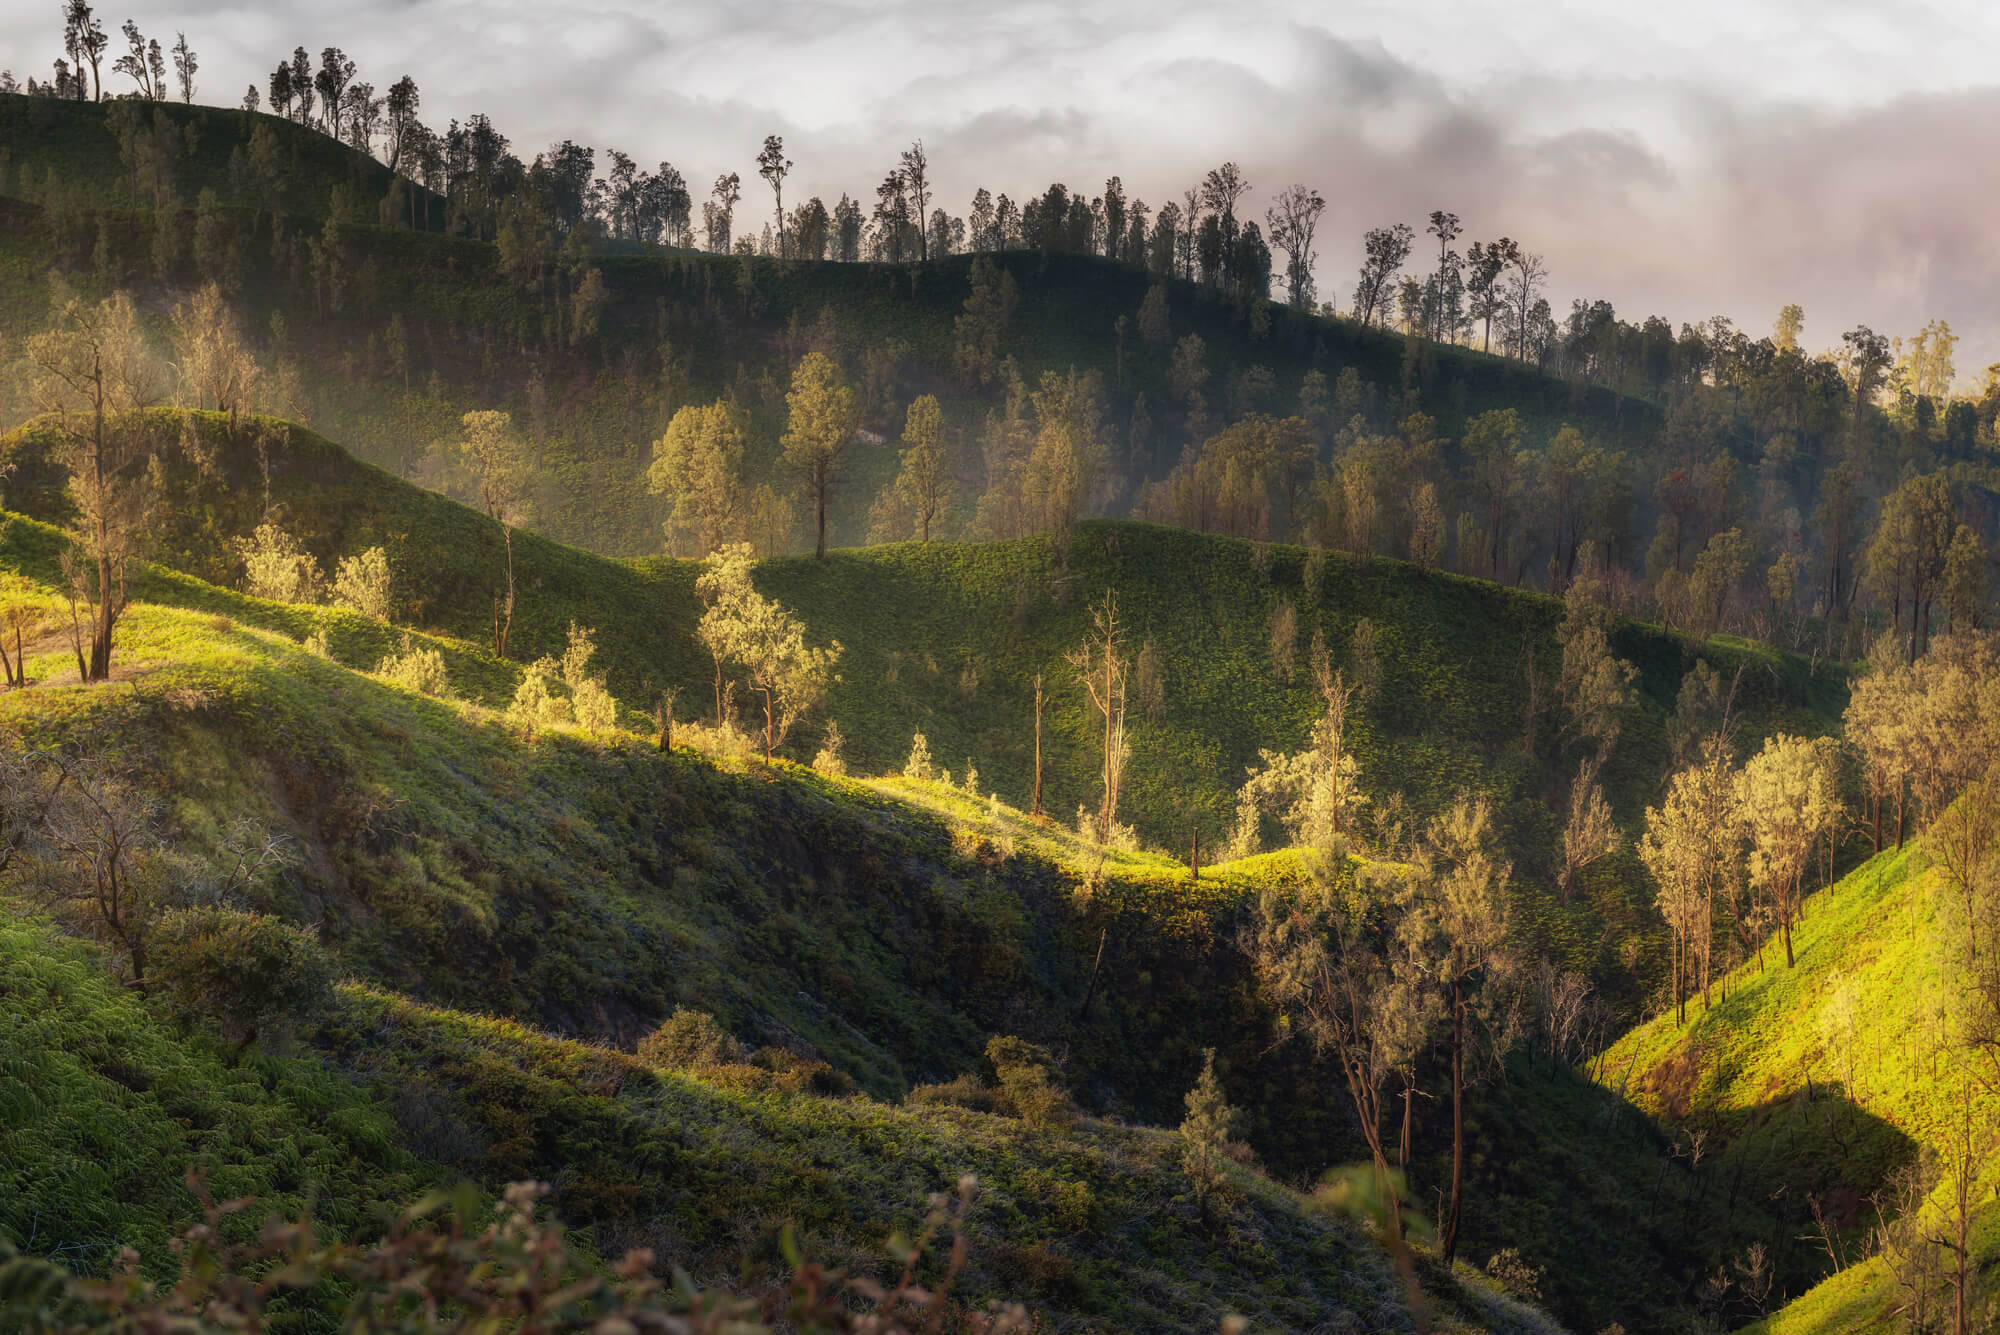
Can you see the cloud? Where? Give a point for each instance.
(1718, 157)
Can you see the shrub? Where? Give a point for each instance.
(1026, 1072)
(417, 669)
(690, 1038)
(967, 1091)
(535, 704)
(918, 766)
(1205, 1130)
(596, 709)
(277, 568)
(1515, 1274)
(829, 760)
(363, 584)
(248, 973)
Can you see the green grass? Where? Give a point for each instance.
(1789, 1089)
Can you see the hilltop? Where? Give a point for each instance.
(388, 334)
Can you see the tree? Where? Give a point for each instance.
(773, 165)
(1788, 798)
(1595, 685)
(719, 211)
(500, 466)
(914, 171)
(757, 633)
(988, 309)
(1527, 274)
(85, 40)
(276, 568)
(1384, 250)
(823, 415)
(185, 66)
(1061, 469)
(93, 376)
(214, 362)
(1332, 961)
(1589, 835)
(336, 71)
(698, 466)
(923, 480)
(145, 67)
(1493, 444)
(1907, 557)
(1205, 1130)
(400, 121)
(1099, 663)
(1483, 280)
(1446, 284)
(1293, 220)
(1459, 914)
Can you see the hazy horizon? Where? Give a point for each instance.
(1707, 160)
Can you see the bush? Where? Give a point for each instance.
(417, 670)
(690, 1038)
(277, 568)
(247, 973)
(1515, 1274)
(967, 1091)
(1027, 1076)
(829, 761)
(918, 766)
(363, 584)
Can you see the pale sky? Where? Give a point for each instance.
(1684, 159)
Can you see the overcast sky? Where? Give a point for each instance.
(1685, 159)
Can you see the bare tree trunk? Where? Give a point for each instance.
(1448, 1243)
(1038, 746)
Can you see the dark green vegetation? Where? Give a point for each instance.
(391, 334)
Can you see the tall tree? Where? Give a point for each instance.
(923, 478)
(1293, 220)
(336, 71)
(766, 640)
(1099, 663)
(1485, 264)
(1788, 796)
(185, 65)
(1445, 283)
(772, 165)
(1460, 914)
(93, 377)
(698, 466)
(914, 170)
(823, 415)
(399, 110)
(84, 39)
(1384, 249)
(499, 463)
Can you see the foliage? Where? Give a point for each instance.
(690, 1038)
(250, 974)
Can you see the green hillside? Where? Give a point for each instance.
(884, 926)
(390, 335)
(947, 640)
(1835, 1075)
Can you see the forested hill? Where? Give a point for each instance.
(948, 639)
(383, 337)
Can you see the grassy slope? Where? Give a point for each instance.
(74, 146)
(886, 925)
(1783, 1083)
(947, 639)
(514, 874)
